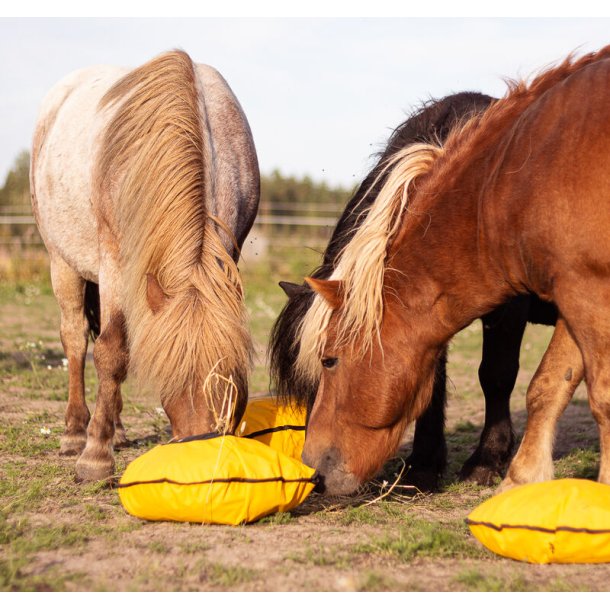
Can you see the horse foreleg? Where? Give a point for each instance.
(589, 325)
(428, 459)
(549, 393)
(111, 358)
(69, 289)
(502, 333)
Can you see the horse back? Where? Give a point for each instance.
(545, 205)
(63, 155)
(236, 179)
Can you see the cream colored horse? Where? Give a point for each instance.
(146, 183)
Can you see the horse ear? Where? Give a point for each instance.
(154, 294)
(293, 290)
(330, 290)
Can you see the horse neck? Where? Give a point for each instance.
(445, 268)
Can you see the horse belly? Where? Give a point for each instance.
(68, 131)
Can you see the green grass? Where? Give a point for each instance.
(322, 555)
(421, 538)
(195, 546)
(13, 577)
(376, 582)
(276, 519)
(579, 464)
(228, 577)
(158, 547)
(359, 515)
(475, 580)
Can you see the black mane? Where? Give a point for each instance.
(431, 123)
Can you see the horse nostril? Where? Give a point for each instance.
(329, 460)
(323, 463)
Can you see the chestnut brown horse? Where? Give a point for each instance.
(515, 202)
(145, 183)
(502, 329)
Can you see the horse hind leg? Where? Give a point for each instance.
(502, 333)
(549, 393)
(111, 357)
(92, 310)
(69, 289)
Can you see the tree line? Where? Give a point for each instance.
(276, 188)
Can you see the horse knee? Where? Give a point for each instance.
(538, 394)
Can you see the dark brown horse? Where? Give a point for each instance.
(502, 329)
(515, 202)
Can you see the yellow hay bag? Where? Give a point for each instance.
(281, 426)
(224, 479)
(561, 521)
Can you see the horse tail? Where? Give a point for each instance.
(362, 262)
(155, 162)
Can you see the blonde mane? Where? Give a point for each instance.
(153, 167)
(480, 132)
(361, 264)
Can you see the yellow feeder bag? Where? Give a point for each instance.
(561, 521)
(279, 425)
(223, 479)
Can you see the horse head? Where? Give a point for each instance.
(366, 398)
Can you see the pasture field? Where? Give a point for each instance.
(57, 535)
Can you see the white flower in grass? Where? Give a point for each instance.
(159, 410)
(45, 431)
(64, 363)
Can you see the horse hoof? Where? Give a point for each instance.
(95, 469)
(506, 484)
(72, 444)
(485, 476)
(423, 480)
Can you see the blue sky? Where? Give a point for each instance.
(321, 94)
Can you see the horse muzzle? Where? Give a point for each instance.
(333, 477)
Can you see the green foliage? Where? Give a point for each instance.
(15, 194)
(277, 188)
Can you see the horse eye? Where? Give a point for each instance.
(328, 363)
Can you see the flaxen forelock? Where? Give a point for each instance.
(362, 263)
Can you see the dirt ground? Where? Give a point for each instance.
(57, 535)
